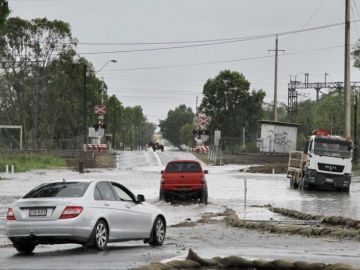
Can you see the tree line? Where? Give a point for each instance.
(231, 104)
(42, 82)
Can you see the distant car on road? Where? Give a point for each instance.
(87, 212)
(156, 146)
(184, 179)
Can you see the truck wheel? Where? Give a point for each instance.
(167, 197)
(204, 197)
(301, 185)
(162, 195)
(296, 185)
(292, 183)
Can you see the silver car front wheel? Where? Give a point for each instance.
(158, 232)
(101, 235)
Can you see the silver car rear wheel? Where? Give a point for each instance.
(26, 247)
(101, 235)
(158, 232)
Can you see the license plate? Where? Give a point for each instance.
(37, 212)
(329, 180)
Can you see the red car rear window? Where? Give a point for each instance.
(174, 167)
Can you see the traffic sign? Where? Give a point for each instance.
(201, 120)
(100, 109)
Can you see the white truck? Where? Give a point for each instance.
(325, 163)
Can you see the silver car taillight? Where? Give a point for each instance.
(10, 214)
(71, 212)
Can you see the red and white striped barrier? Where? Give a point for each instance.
(203, 149)
(97, 147)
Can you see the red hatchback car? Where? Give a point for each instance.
(184, 179)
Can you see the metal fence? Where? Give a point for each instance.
(8, 142)
(236, 145)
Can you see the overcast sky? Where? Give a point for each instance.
(176, 76)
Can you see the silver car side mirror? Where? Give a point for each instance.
(140, 198)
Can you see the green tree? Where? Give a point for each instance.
(4, 13)
(229, 102)
(324, 113)
(176, 119)
(28, 50)
(268, 113)
(113, 119)
(186, 134)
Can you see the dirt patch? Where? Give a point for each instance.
(269, 168)
(208, 217)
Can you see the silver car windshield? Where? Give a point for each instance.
(332, 148)
(58, 190)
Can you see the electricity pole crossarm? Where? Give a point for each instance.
(275, 75)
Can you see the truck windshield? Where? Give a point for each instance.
(332, 148)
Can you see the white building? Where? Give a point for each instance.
(278, 137)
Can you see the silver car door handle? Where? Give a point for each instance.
(127, 206)
(106, 204)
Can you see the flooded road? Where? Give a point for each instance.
(140, 172)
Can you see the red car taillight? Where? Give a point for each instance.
(71, 212)
(10, 214)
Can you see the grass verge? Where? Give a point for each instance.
(30, 161)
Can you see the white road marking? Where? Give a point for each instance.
(157, 158)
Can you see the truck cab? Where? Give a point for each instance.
(327, 162)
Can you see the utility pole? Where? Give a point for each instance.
(196, 106)
(355, 119)
(36, 109)
(84, 109)
(306, 78)
(275, 75)
(347, 87)
(326, 74)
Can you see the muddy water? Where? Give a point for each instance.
(140, 171)
(274, 190)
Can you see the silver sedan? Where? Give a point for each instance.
(87, 212)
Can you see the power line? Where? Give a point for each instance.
(218, 41)
(309, 19)
(226, 61)
(313, 15)
(210, 41)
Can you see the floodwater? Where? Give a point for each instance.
(140, 172)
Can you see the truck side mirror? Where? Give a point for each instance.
(306, 147)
